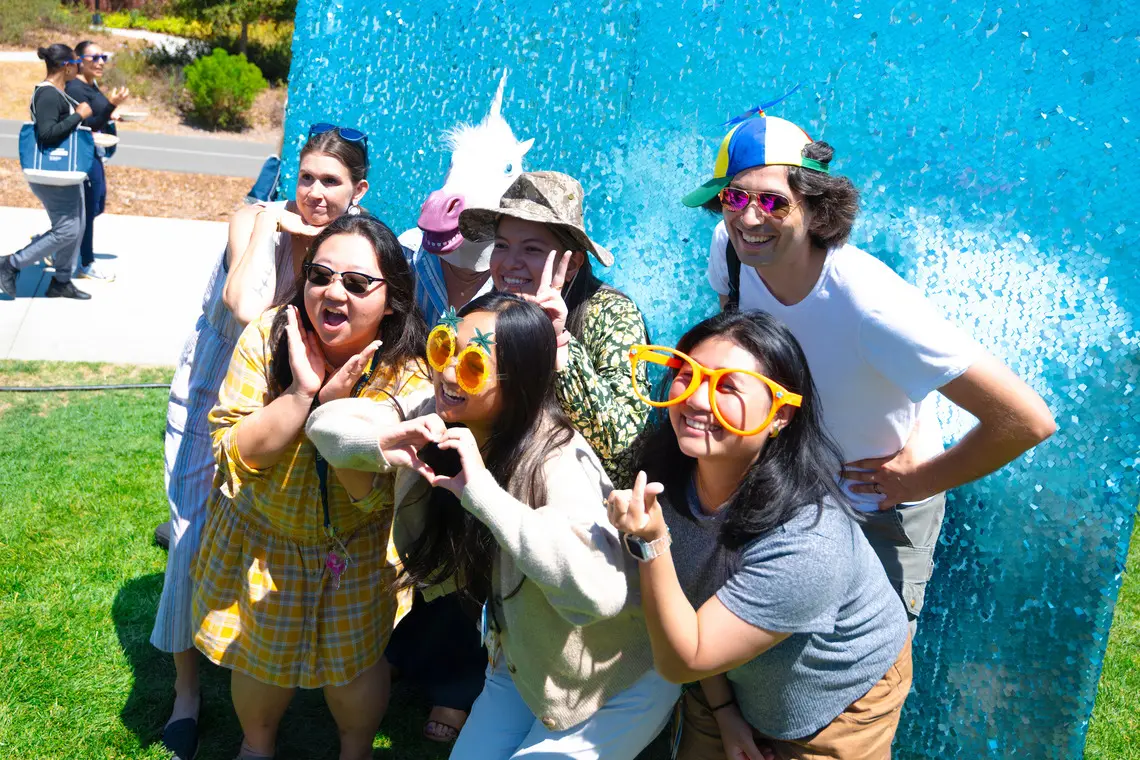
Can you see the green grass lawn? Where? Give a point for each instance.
(80, 493)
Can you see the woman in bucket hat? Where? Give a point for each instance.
(542, 253)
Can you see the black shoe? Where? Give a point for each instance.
(57, 289)
(8, 275)
(181, 736)
(162, 535)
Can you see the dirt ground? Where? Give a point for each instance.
(144, 192)
(152, 95)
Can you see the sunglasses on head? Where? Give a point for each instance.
(347, 133)
(769, 204)
(356, 283)
(97, 58)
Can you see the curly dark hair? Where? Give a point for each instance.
(830, 200)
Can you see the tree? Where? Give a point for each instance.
(227, 13)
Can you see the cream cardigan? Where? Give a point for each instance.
(574, 634)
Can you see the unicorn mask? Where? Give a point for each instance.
(485, 160)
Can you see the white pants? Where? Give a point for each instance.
(502, 727)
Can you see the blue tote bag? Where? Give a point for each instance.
(64, 164)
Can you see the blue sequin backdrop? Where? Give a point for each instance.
(990, 143)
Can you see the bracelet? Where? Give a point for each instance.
(729, 703)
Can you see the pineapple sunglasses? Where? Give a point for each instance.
(473, 363)
(676, 361)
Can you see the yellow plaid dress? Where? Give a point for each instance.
(264, 603)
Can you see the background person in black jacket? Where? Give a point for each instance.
(85, 89)
(56, 117)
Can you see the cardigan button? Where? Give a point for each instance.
(548, 722)
(511, 667)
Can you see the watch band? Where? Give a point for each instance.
(647, 550)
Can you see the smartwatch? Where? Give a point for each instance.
(642, 550)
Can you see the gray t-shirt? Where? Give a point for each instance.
(820, 581)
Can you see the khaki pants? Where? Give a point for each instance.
(863, 731)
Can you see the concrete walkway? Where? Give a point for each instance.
(174, 153)
(143, 317)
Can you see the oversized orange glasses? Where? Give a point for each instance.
(473, 364)
(731, 391)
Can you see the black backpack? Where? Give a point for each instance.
(733, 262)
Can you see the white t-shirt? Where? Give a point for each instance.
(875, 346)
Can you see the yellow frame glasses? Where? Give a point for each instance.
(675, 360)
(473, 364)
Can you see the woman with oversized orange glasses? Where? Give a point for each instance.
(756, 578)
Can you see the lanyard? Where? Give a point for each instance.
(338, 559)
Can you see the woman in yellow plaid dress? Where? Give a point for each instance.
(294, 585)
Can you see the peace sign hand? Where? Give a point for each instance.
(636, 512)
(549, 294)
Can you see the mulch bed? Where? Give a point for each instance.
(145, 192)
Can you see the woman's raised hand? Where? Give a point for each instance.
(342, 381)
(118, 95)
(461, 440)
(400, 444)
(305, 357)
(291, 222)
(549, 299)
(636, 511)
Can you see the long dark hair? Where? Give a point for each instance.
(797, 469)
(530, 427)
(354, 155)
(55, 56)
(403, 331)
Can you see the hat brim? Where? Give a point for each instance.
(479, 224)
(706, 192)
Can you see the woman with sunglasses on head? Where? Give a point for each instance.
(755, 576)
(542, 253)
(85, 89)
(56, 116)
(518, 522)
(877, 348)
(292, 584)
(261, 265)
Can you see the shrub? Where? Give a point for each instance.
(18, 16)
(222, 88)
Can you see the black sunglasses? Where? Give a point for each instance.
(356, 283)
(100, 58)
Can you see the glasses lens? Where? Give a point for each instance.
(355, 283)
(440, 345)
(733, 199)
(655, 375)
(774, 205)
(743, 400)
(318, 275)
(352, 135)
(472, 371)
(321, 127)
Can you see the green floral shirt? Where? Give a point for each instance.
(595, 387)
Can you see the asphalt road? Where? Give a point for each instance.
(147, 150)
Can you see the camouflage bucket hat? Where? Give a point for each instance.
(551, 198)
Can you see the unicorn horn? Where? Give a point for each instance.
(497, 103)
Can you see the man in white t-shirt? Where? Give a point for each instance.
(876, 347)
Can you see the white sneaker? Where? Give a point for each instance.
(92, 272)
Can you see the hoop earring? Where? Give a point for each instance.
(775, 432)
